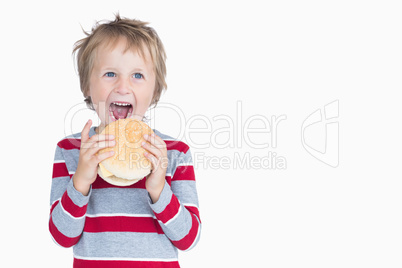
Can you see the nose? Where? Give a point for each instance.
(123, 86)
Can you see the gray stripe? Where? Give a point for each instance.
(77, 197)
(182, 158)
(71, 158)
(163, 201)
(125, 245)
(59, 186)
(179, 227)
(185, 191)
(163, 136)
(58, 155)
(119, 200)
(172, 159)
(65, 224)
(198, 235)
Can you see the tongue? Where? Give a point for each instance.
(120, 112)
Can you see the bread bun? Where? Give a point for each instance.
(128, 164)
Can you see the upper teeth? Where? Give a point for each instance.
(121, 104)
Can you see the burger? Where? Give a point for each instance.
(128, 164)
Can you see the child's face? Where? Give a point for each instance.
(122, 83)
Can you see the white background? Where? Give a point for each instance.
(278, 58)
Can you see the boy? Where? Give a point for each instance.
(121, 66)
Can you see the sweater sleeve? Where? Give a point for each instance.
(177, 207)
(68, 206)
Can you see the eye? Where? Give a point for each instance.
(138, 75)
(110, 74)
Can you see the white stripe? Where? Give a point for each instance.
(174, 217)
(119, 214)
(169, 139)
(54, 240)
(54, 202)
(190, 205)
(59, 161)
(182, 165)
(123, 259)
(71, 172)
(185, 164)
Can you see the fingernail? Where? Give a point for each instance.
(143, 143)
(146, 136)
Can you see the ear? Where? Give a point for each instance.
(156, 95)
(89, 103)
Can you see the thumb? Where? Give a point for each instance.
(85, 131)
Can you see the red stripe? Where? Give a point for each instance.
(100, 183)
(72, 208)
(122, 224)
(194, 211)
(177, 145)
(188, 240)
(170, 211)
(69, 144)
(60, 238)
(60, 170)
(184, 173)
(78, 263)
(53, 206)
(168, 180)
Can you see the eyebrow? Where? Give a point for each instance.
(137, 69)
(142, 70)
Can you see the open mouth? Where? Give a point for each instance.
(120, 110)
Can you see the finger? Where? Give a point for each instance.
(153, 160)
(155, 140)
(96, 138)
(151, 149)
(101, 137)
(100, 157)
(96, 146)
(85, 131)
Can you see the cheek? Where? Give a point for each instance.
(97, 91)
(98, 99)
(143, 100)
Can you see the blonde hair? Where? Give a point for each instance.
(138, 36)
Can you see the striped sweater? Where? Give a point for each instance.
(120, 226)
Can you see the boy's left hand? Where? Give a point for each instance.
(156, 153)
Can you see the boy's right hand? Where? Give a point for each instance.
(88, 161)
